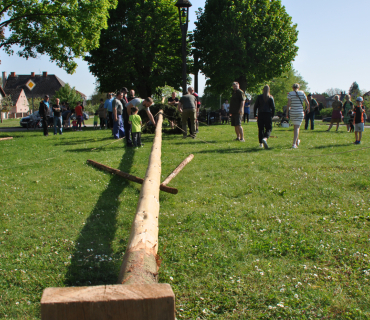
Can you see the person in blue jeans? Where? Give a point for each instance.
(310, 116)
(247, 105)
(58, 118)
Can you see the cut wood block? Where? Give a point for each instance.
(113, 302)
(6, 138)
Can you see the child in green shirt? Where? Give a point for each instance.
(135, 122)
(96, 117)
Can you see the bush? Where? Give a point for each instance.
(326, 112)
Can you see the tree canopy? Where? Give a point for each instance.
(280, 86)
(64, 30)
(68, 94)
(249, 41)
(141, 49)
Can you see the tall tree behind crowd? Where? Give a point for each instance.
(64, 30)
(280, 86)
(249, 41)
(141, 48)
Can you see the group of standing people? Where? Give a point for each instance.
(299, 107)
(120, 114)
(61, 115)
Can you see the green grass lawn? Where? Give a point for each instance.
(252, 233)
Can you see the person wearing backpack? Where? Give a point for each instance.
(44, 114)
(265, 106)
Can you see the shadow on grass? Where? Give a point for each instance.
(333, 145)
(103, 147)
(80, 141)
(235, 150)
(90, 264)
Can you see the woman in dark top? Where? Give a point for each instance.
(265, 106)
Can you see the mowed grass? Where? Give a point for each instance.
(252, 233)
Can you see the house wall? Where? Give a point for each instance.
(22, 105)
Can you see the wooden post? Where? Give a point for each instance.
(177, 170)
(140, 260)
(7, 138)
(128, 176)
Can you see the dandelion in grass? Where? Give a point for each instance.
(280, 305)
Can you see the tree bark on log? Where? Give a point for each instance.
(177, 170)
(7, 138)
(128, 176)
(140, 260)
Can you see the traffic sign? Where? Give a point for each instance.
(30, 84)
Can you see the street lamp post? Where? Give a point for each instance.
(183, 6)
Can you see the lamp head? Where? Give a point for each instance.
(183, 4)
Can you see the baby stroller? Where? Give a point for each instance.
(283, 120)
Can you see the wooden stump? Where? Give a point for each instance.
(113, 302)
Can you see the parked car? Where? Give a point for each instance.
(33, 120)
(86, 116)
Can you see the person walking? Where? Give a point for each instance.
(236, 111)
(336, 115)
(117, 110)
(44, 110)
(247, 105)
(58, 119)
(310, 115)
(358, 120)
(187, 107)
(295, 111)
(265, 106)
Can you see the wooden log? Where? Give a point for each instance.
(177, 170)
(113, 302)
(128, 176)
(7, 138)
(140, 260)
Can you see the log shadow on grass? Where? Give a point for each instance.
(93, 261)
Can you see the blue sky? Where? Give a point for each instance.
(333, 47)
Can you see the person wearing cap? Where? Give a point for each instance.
(358, 120)
(44, 111)
(336, 115)
(310, 112)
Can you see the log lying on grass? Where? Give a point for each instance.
(140, 260)
(128, 176)
(7, 138)
(177, 170)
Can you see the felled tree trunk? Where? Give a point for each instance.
(140, 260)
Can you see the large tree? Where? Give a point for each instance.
(141, 48)
(64, 30)
(280, 86)
(249, 41)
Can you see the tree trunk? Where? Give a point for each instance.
(243, 83)
(140, 260)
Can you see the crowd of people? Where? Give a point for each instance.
(120, 114)
(300, 107)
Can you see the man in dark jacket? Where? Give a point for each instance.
(44, 114)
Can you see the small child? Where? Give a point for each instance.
(358, 120)
(96, 118)
(135, 121)
(74, 124)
